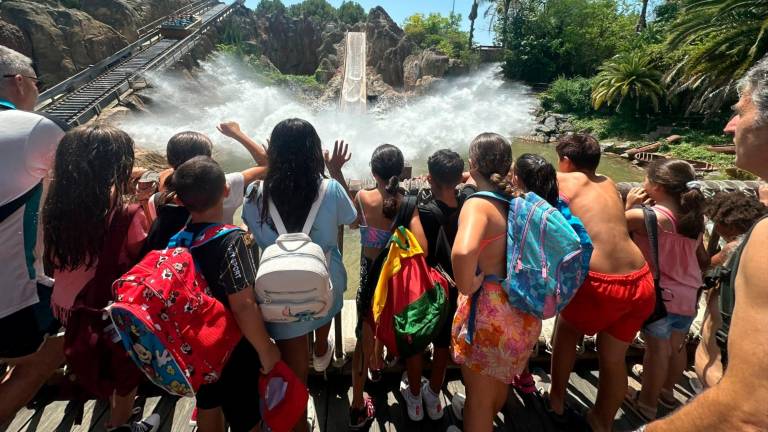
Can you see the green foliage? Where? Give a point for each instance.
(351, 13)
(568, 95)
(699, 153)
(319, 10)
(546, 39)
(438, 31)
(628, 76)
(269, 7)
(720, 40)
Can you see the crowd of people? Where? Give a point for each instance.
(76, 213)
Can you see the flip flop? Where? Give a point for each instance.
(632, 401)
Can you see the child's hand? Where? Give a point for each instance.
(338, 158)
(229, 129)
(269, 357)
(637, 196)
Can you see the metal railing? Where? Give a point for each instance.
(188, 9)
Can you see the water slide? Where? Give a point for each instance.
(353, 90)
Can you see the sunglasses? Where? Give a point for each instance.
(38, 82)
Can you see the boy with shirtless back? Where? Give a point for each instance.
(617, 295)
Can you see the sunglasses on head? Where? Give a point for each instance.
(38, 82)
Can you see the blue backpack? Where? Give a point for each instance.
(547, 255)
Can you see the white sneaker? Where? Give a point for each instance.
(149, 424)
(415, 408)
(453, 428)
(320, 364)
(431, 400)
(457, 406)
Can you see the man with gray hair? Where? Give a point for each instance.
(739, 402)
(27, 330)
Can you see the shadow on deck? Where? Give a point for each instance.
(329, 404)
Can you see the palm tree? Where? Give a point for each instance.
(642, 23)
(499, 9)
(472, 18)
(721, 40)
(627, 76)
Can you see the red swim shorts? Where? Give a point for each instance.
(615, 304)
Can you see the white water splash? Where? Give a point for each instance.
(454, 113)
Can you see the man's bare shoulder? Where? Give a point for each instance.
(752, 267)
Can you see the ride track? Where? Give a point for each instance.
(354, 91)
(85, 95)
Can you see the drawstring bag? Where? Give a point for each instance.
(410, 303)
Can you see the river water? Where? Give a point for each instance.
(449, 117)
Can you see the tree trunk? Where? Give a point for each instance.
(472, 18)
(641, 21)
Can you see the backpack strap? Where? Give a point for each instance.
(651, 226)
(10, 208)
(405, 212)
(188, 239)
(311, 216)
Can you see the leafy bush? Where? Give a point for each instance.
(269, 7)
(699, 153)
(568, 96)
(351, 13)
(319, 10)
(438, 31)
(547, 39)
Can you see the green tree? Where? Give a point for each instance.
(720, 40)
(319, 10)
(627, 76)
(437, 31)
(269, 7)
(351, 13)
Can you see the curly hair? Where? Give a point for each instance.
(735, 210)
(492, 156)
(673, 176)
(296, 166)
(91, 178)
(387, 163)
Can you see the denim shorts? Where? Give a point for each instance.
(663, 328)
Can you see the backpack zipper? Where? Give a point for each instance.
(293, 254)
(519, 265)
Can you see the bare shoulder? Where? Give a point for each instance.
(752, 268)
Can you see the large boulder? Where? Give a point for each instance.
(115, 13)
(13, 38)
(388, 46)
(428, 63)
(63, 41)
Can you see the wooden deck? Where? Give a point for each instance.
(329, 405)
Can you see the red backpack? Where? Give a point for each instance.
(94, 356)
(178, 334)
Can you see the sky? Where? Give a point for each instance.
(399, 10)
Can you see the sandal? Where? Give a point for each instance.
(667, 400)
(632, 401)
(361, 418)
(524, 383)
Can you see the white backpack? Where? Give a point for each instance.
(293, 281)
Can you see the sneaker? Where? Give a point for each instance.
(413, 402)
(431, 400)
(453, 428)
(320, 364)
(193, 418)
(149, 424)
(361, 418)
(457, 406)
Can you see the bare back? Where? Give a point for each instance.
(598, 204)
(372, 202)
(480, 242)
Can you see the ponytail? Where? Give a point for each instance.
(503, 185)
(691, 217)
(390, 206)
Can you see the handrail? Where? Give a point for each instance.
(186, 9)
(87, 75)
(184, 45)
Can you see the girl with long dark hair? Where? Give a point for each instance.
(89, 192)
(679, 206)
(296, 171)
(378, 208)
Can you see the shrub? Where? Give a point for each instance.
(568, 96)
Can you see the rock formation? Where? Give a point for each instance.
(62, 41)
